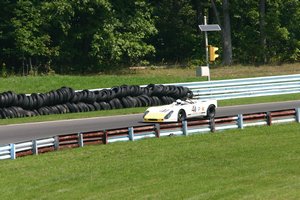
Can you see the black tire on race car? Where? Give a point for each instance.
(211, 111)
(181, 116)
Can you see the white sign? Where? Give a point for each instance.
(202, 71)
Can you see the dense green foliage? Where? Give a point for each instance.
(76, 35)
(254, 163)
(282, 31)
(96, 35)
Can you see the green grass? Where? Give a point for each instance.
(47, 83)
(253, 163)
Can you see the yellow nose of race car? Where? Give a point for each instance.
(154, 117)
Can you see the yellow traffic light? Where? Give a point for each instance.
(212, 53)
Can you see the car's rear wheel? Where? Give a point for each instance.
(211, 111)
(181, 116)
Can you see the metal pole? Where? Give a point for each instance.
(240, 121)
(206, 48)
(184, 128)
(131, 133)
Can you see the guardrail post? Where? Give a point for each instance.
(269, 118)
(12, 151)
(35, 150)
(240, 121)
(105, 137)
(212, 124)
(131, 133)
(157, 130)
(184, 128)
(80, 139)
(297, 115)
(56, 143)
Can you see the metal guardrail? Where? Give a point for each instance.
(247, 87)
(240, 88)
(200, 126)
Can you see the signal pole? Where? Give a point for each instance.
(207, 27)
(206, 48)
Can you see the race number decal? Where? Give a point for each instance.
(194, 109)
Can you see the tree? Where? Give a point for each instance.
(30, 40)
(283, 31)
(123, 37)
(262, 27)
(6, 34)
(178, 37)
(103, 34)
(227, 46)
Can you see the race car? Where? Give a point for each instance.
(181, 110)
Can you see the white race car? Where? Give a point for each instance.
(181, 110)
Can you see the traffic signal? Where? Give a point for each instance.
(212, 53)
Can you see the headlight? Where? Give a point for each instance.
(145, 113)
(169, 114)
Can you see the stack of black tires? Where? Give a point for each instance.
(66, 100)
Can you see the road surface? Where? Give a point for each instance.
(29, 131)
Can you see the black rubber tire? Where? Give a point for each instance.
(41, 110)
(126, 103)
(51, 98)
(112, 104)
(14, 99)
(65, 95)
(15, 111)
(8, 99)
(157, 89)
(79, 97)
(139, 103)
(146, 90)
(90, 107)
(46, 98)
(118, 103)
(105, 106)
(71, 92)
(144, 101)
(9, 113)
(91, 97)
(3, 113)
(156, 101)
(211, 111)
(132, 102)
(102, 95)
(3, 100)
(97, 106)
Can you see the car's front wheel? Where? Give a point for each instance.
(211, 111)
(181, 116)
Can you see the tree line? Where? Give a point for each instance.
(88, 36)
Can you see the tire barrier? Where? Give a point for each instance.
(67, 100)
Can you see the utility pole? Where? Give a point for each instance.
(206, 47)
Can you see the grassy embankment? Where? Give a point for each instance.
(140, 77)
(254, 163)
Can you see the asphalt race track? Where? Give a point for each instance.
(26, 132)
